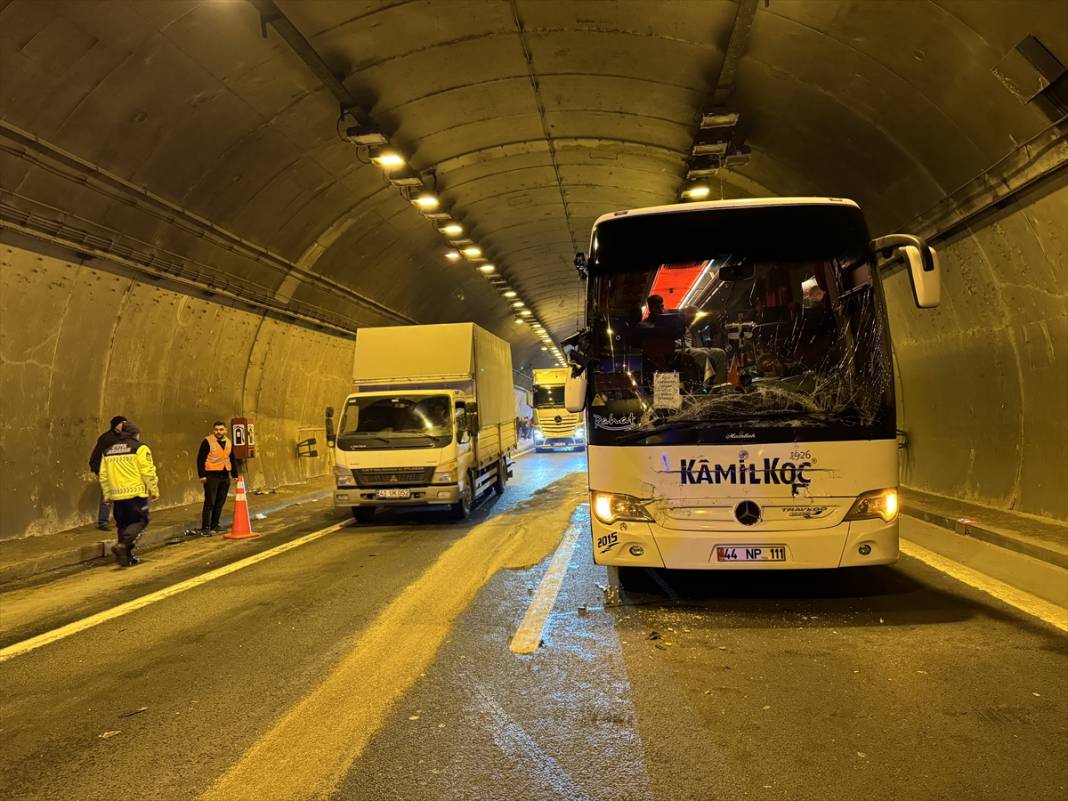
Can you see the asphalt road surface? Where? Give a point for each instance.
(373, 663)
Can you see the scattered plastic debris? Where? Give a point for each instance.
(583, 611)
(653, 635)
(862, 755)
(109, 734)
(259, 516)
(134, 712)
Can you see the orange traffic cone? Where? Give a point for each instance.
(242, 528)
(732, 374)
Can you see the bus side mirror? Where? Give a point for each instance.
(921, 260)
(575, 392)
(331, 434)
(925, 275)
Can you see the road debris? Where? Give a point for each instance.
(109, 734)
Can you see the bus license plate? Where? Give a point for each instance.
(394, 493)
(750, 553)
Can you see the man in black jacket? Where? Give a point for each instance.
(103, 442)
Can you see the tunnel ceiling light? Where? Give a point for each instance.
(518, 321)
(472, 251)
(387, 158)
(366, 135)
(426, 200)
(452, 229)
(526, 313)
(404, 177)
(544, 348)
(510, 293)
(452, 255)
(518, 304)
(696, 191)
(486, 268)
(719, 118)
(437, 216)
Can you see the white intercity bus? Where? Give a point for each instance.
(736, 375)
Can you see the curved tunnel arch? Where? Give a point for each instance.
(209, 158)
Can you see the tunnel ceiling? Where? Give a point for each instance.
(175, 131)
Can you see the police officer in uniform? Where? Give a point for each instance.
(215, 467)
(128, 479)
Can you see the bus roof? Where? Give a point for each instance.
(736, 203)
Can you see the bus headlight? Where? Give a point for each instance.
(609, 507)
(538, 436)
(877, 503)
(344, 476)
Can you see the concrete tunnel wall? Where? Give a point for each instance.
(983, 379)
(80, 345)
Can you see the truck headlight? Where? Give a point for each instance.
(538, 436)
(444, 473)
(344, 476)
(609, 507)
(580, 433)
(877, 503)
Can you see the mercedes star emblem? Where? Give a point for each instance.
(747, 513)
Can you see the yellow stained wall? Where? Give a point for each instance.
(79, 345)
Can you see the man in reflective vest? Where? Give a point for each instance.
(128, 480)
(215, 466)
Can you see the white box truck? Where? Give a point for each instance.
(431, 420)
(555, 428)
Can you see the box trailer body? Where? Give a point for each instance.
(431, 419)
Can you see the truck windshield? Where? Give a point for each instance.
(395, 421)
(548, 396)
(727, 338)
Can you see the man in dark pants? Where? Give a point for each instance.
(103, 442)
(215, 466)
(128, 480)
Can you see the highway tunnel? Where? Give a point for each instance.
(199, 212)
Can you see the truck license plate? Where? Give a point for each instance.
(750, 553)
(394, 493)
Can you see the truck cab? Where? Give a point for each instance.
(555, 428)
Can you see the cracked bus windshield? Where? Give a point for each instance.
(691, 349)
(395, 421)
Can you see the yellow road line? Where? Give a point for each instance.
(310, 748)
(528, 635)
(19, 648)
(1024, 601)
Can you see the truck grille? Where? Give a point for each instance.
(394, 476)
(550, 427)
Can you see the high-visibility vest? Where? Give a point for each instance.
(218, 456)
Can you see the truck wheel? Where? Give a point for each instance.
(502, 477)
(363, 514)
(461, 510)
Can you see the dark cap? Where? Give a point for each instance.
(117, 419)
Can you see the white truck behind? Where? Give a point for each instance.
(431, 420)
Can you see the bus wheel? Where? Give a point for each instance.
(502, 477)
(363, 514)
(461, 510)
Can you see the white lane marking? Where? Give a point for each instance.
(1024, 601)
(528, 635)
(19, 648)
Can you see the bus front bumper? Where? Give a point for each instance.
(417, 496)
(858, 543)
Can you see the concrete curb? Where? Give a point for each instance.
(970, 528)
(151, 539)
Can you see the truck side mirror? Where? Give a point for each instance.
(921, 260)
(925, 275)
(331, 434)
(575, 392)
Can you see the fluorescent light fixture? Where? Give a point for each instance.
(404, 177)
(387, 157)
(544, 348)
(452, 229)
(452, 255)
(486, 268)
(518, 321)
(472, 251)
(510, 293)
(719, 118)
(364, 134)
(426, 200)
(526, 313)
